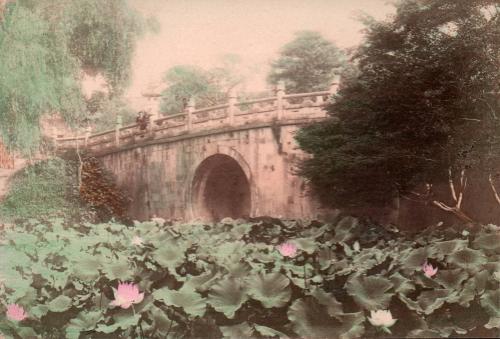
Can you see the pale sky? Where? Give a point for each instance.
(200, 32)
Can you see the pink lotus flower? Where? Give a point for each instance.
(16, 312)
(429, 270)
(287, 249)
(126, 295)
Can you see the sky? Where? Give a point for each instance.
(201, 32)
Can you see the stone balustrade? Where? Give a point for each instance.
(282, 108)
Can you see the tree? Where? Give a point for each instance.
(44, 44)
(207, 88)
(307, 63)
(422, 110)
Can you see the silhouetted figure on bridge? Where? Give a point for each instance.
(142, 120)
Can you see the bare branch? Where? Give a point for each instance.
(452, 186)
(495, 193)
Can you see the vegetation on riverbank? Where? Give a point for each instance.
(232, 279)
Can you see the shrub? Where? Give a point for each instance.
(44, 189)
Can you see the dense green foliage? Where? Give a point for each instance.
(44, 44)
(228, 279)
(45, 189)
(207, 88)
(104, 112)
(306, 64)
(424, 100)
(50, 189)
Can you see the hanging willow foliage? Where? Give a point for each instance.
(44, 45)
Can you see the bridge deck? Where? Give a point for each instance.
(281, 109)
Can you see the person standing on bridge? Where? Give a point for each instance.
(143, 120)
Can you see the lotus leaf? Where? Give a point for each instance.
(307, 245)
(271, 289)
(444, 248)
(451, 279)
(370, 292)
(269, 332)
(467, 258)
(185, 298)
(488, 241)
(414, 259)
(169, 256)
(401, 284)
(333, 307)
(343, 230)
(490, 301)
(243, 330)
(227, 296)
(60, 304)
(310, 319)
(122, 322)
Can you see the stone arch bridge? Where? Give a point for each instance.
(233, 160)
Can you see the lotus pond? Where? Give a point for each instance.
(264, 278)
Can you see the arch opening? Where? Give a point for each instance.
(220, 189)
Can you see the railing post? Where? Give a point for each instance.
(88, 132)
(118, 126)
(190, 110)
(232, 106)
(334, 85)
(54, 137)
(280, 92)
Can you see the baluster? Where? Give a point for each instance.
(232, 106)
(190, 110)
(280, 92)
(118, 126)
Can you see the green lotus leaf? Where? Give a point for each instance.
(121, 322)
(425, 281)
(414, 259)
(352, 325)
(60, 304)
(481, 279)
(307, 245)
(271, 289)
(269, 332)
(169, 256)
(117, 270)
(429, 301)
(39, 311)
(401, 284)
(488, 241)
(490, 301)
(240, 230)
(333, 307)
(494, 322)
(310, 319)
(202, 282)
(325, 258)
(370, 292)
(87, 267)
(26, 332)
(237, 268)
(243, 330)
(344, 229)
(186, 298)
(161, 321)
(227, 296)
(451, 279)
(444, 248)
(467, 294)
(86, 320)
(423, 333)
(467, 258)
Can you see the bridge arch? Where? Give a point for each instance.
(221, 186)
